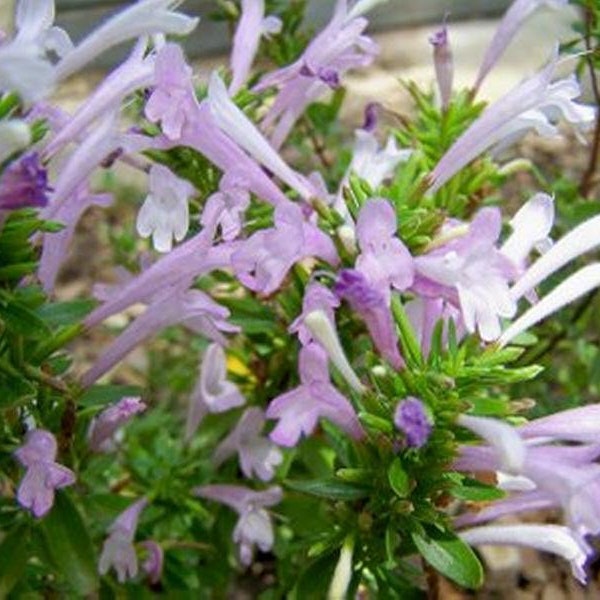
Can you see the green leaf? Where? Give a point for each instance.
(13, 553)
(21, 320)
(329, 488)
(399, 479)
(472, 490)
(69, 546)
(451, 556)
(65, 313)
(106, 394)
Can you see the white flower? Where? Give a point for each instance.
(165, 213)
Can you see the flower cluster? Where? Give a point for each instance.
(356, 325)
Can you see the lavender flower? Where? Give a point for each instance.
(514, 17)
(476, 272)
(227, 206)
(165, 213)
(365, 299)
(299, 410)
(251, 27)
(192, 308)
(118, 551)
(258, 456)
(263, 260)
(24, 183)
(531, 104)
(173, 100)
(145, 17)
(547, 538)
(104, 426)
(316, 297)
(44, 475)
(153, 565)
(254, 527)
(213, 392)
(411, 418)
(443, 63)
(373, 163)
(340, 46)
(384, 260)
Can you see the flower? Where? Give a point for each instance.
(104, 426)
(118, 551)
(316, 297)
(476, 273)
(514, 17)
(165, 214)
(411, 418)
(443, 63)
(258, 456)
(171, 306)
(153, 565)
(173, 100)
(534, 103)
(373, 163)
(213, 392)
(299, 410)
(24, 183)
(254, 527)
(340, 46)
(263, 260)
(547, 538)
(145, 17)
(251, 26)
(44, 475)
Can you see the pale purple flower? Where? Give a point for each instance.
(34, 25)
(165, 213)
(192, 308)
(237, 126)
(514, 17)
(213, 392)
(370, 303)
(24, 183)
(534, 103)
(250, 28)
(411, 418)
(227, 206)
(263, 260)
(384, 260)
(340, 46)
(563, 476)
(373, 163)
(44, 475)
(580, 424)
(547, 538)
(177, 269)
(476, 272)
(371, 117)
(254, 527)
(118, 551)
(173, 100)
(316, 297)
(153, 565)
(103, 427)
(443, 63)
(258, 456)
(145, 17)
(135, 73)
(299, 410)
(531, 227)
(15, 135)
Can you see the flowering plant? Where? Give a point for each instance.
(357, 322)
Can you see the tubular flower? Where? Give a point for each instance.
(24, 183)
(299, 410)
(443, 63)
(254, 527)
(44, 475)
(213, 392)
